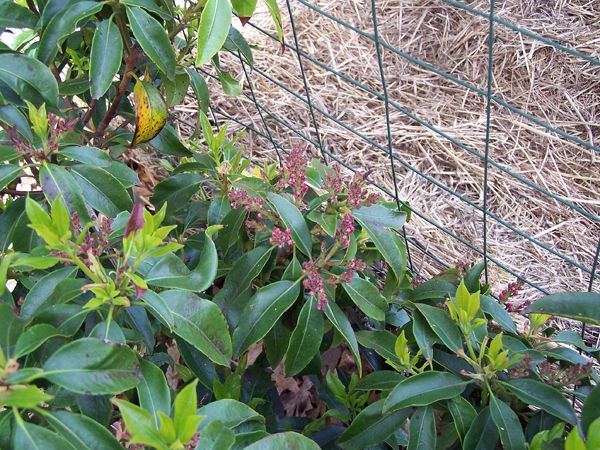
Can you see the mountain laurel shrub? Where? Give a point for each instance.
(175, 321)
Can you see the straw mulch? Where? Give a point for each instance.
(552, 85)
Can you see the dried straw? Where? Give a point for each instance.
(552, 85)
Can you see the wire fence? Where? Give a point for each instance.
(271, 122)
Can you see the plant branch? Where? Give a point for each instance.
(20, 193)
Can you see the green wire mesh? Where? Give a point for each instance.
(382, 48)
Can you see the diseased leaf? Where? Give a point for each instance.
(150, 112)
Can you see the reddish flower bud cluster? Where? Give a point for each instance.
(314, 284)
(96, 244)
(511, 290)
(522, 368)
(57, 126)
(344, 229)
(281, 238)
(334, 181)
(552, 373)
(293, 172)
(358, 194)
(417, 281)
(240, 199)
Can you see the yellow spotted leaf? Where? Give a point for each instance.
(150, 112)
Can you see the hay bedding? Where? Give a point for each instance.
(552, 85)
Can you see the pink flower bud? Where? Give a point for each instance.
(136, 221)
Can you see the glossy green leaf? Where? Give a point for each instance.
(367, 297)
(40, 295)
(13, 15)
(380, 380)
(422, 434)
(424, 335)
(24, 75)
(140, 425)
(293, 219)
(276, 342)
(591, 408)
(184, 412)
(167, 142)
(213, 29)
(244, 8)
(262, 311)
(83, 432)
(583, 306)
(200, 89)
(593, 436)
(12, 116)
(442, 325)
(509, 426)
(176, 191)
(372, 426)
(284, 441)
(150, 6)
(200, 365)
(21, 396)
(88, 155)
(236, 42)
(61, 26)
(170, 271)
(55, 180)
(9, 173)
(216, 436)
(28, 436)
(200, 323)
(230, 413)
(306, 338)
(105, 57)
(101, 190)
(492, 308)
(379, 221)
(483, 433)
(382, 341)
(34, 337)
(276, 16)
(153, 39)
(89, 365)
(543, 396)
(424, 389)
(463, 415)
(153, 391)
(341, 323)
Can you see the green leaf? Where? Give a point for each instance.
(382, 341)
(236, 42)
(9, 173)
(305, 339)
(34, 337)
(216, 436)
(55, 180)
(262, 311)
(61, 26)
(176, 89)
(276, 15)
(593, 437)
(422, 435)
(13, 15)
(153, 391)
(367, 297)
(581, 306)
(74, 86)
(491, 307)
(88, 155)
(424, 335)
(424, 389)
(40, 295)
(83, 432)
(543, 396)
(185, 409)
(200, 323)
(167, 142)
(244, 8)
(105, 57)
(473, 277)
(378, 221)
(213, 29)
(574, 441)
(26, 397)
(483, 433)
(371, 427)
(276, 343)
(442, 325)
(229, 412)
(153, 39)
(28, 436)
(10, 115)
(591, 408)
(101, 190)
(140, 425)
(341, 323)
(200, 89)
(176, 191)
(89, 365)
(293, 219)
(463, 415)
(380, 380)
(230, 85)
(509, 426)
(284, 441)
(26, 75)
(148, 5)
